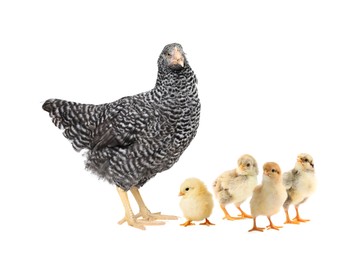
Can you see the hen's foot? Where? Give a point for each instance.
(147, 215)
(140, 223)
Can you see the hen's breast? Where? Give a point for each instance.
(161, 123)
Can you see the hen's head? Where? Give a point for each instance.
(172, 58)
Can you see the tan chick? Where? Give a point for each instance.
(300, 183)
(196, 202)
(268, 197)
(237, 185)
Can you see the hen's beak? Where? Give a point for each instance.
(177, 58)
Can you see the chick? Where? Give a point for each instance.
(236, 185)
(196, 202)
(268, 197)
(300, 183)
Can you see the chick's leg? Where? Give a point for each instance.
(187, 223)
(243, 214)
(207, 223)
(227, 215)
(298, 218)
(255, 228)
(288, 219)
(272, 226)
(144, 211)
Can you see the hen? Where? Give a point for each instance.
(129, 141)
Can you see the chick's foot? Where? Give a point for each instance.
(243, 214)
(298, 219)
(228, 217)
(187, 223)
(288, 221)
(255, 228)
(207, 223)
(272, 226)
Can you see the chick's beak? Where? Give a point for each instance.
(242, 168)
(181, 193)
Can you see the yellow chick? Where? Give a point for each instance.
(300, 183)
(268, 197)
(236, 185)
(196, 202)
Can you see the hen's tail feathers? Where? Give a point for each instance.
(77, 120)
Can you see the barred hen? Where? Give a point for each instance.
(129, 141)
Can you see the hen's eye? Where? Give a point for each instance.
(168, 54)
(187, 189)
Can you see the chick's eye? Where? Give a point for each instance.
(187, 189)
(248, 165)
(273, 170)
(306, 160)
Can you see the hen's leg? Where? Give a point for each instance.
(130, 218)
(145, 212)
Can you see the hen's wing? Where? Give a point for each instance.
(127, 121)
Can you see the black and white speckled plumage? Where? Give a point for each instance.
(132, 139)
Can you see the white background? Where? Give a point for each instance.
(276, 78)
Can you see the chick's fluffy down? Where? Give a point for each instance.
(197, 202)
